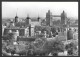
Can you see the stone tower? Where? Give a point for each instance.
(16, 18)
(63, 18)
(28, 20)
(48, 18)
(63, 21)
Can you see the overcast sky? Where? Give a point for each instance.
(34, 9)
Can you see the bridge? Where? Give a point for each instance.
(49, 16)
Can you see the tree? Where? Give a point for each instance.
(8, 36)
(37, 28)
(47, 29)
(71, 47)
(58, 46)
(53, 29)
(48, 46)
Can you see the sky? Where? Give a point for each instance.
(9, 9)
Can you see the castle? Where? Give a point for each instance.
(26, 28)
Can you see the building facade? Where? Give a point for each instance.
(22, 31)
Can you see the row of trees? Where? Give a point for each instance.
(38, 47)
